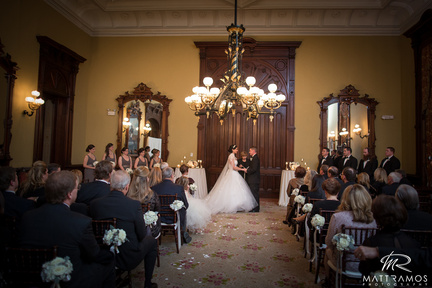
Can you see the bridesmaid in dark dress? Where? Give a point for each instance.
(147, 154)
(140, 160)
(155, 159)
(125, 161)
(88, 163)
(109, 154)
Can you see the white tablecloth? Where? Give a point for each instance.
(199, 176)
(286, 176)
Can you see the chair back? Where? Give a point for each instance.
(145, 207)
(424, 237)
(24, 266)
(313, 200)
(165, 211)
(100, 226)
(327, 214)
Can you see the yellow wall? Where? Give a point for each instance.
(379, 66)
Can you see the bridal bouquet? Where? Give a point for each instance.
(95, 163)
(307, 207)
(317, 221)
(156, 165)
(193, 188)
(299, 199)
(115, 237)
(56, 270)
(295, 192)
(177, 205)
(129, 171)
(343, 242)
(150, 218)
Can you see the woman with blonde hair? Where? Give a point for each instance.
(363, 179)
(34, 186)
(155, 176)
(380, 180)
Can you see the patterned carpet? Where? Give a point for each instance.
(235, 250)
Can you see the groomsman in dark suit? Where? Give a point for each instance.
(55, 224)
(141, 245)
(326, 159)
(368, 164)
(348, 160)
(253, 176)
(98, 188)
(390, 163)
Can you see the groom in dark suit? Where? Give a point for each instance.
(253, 176)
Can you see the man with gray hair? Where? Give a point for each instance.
(167, 187)
(417, 220)
(393, 180)
(141, 245)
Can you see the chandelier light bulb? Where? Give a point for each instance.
(214, 91)
(195, 89)
(242, 91)
(280, 97)
(272, 88)
(250, 81)
(208, 81)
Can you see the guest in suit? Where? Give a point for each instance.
(54, 224)
(33, 186)
(14, 206)
(348, 160)
(368, 163)
(333, 172)
(380, 180)
(348, 178)
(404, 179)
(141, 245)
(390, 163)
(167, 187)
(244, 162)
(392, 184)
(326, 159)
(417, 220)
(253, 177)
(53, 168)
(100, 187)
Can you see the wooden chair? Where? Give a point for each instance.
(24, 266)
(145, 208)
(345, 277)
(306, 242)
(173, 224)
(424, 237)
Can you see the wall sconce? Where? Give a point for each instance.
(345, 137)
(126, 124)
(33, 103)
(146, 130)
(357, 130)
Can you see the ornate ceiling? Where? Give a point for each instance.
(260, 17)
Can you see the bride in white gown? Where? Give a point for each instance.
(231, 193)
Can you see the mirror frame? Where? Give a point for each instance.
(10, 68)
(348, 95)
(144, 93)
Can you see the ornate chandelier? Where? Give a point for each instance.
(235, 90)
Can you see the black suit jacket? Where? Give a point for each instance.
(253, 172)
(91, 191)
(16, 206)
(327, 161)
(129, 218)
(392, 164)
(369, 168)
(167, 187)
(351, 162)
(390, 189)
(56, 224)
(343, 187)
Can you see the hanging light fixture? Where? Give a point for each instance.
(235, 90)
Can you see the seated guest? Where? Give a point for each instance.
(14, 206)
(404, 179)
(308, 178)
(140, 190)
(79, 175)
(368, 163)
(363, 179)
(417, 220)
(33, 186)
(393, 180)
(317, 191)
(244, 162)
(184, 170)
(354, 211)
(294, 183)
(54, 224)
(164, 165)
(333, 172)
(155, 176)
(129, 218)
(53, 168)
(348, 177)
(390, 216)
(380, 180)
(98, 188)
(323, 171)
(167, 187)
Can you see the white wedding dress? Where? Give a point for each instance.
(198, 213)
(230, 193)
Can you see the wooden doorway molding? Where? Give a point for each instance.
(58, 67)
(268, 62)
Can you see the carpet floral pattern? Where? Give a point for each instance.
(235, 250)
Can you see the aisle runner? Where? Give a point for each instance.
(235, 250)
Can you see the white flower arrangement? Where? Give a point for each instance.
(56, 270)
(295, 192)
(317, 221)
(307, 207)
(190, 164)
(381, 279)
(115, 237)
(193, 188)
(343, 242)
(95, 163)
(113, 163)
(150, 218)
(299, 199)
(177, 205)
(156, 165)
(129, 171)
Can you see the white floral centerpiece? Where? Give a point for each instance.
(381, 279)
(295, 191)
(114, 237)
(95, 163)
(343, 242)
(299, 199)
(129, 171)
(307, 208)
(56, 270)
(192, 164)
(317, 221)
(177, 205)
(150, 218)
(193, 188)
